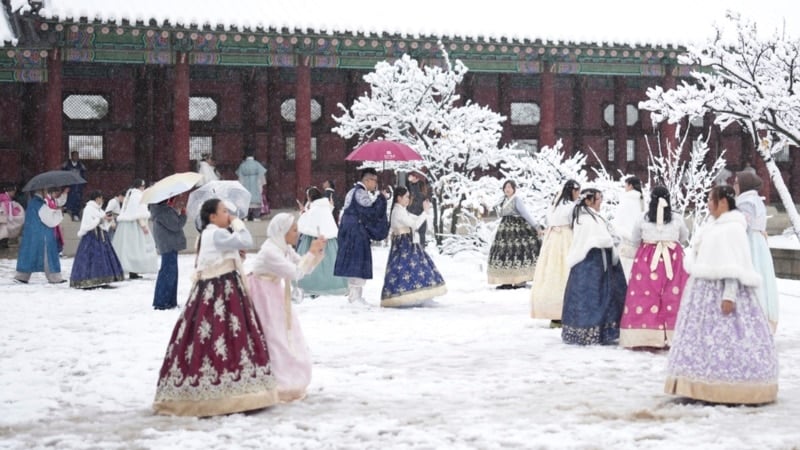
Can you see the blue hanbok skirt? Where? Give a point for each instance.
(593, 300)
(322, 281)
(411, 276)
(96, 263)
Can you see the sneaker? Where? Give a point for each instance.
(18, 281)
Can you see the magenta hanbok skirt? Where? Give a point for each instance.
(653, 298)
(289, 356)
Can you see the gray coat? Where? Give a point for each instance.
(168, 228)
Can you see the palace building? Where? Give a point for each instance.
(145, 98)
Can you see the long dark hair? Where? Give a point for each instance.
(659, 192)
(209, 207)
(137, 183)
(636, 184)
(422, 182)
(399, 191)
(566, 192)
(726, 192)
(588, 196)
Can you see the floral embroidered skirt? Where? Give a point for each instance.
(722, 358)
(411, 276)
(217, 360)
(593, 300)
(550, 275)
(653, 299)
(96, 263)
(512, 256)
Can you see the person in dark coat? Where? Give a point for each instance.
(168, 233)
(420, 191)
(363, 220)
(75, 196)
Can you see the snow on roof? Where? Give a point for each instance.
(632, 22)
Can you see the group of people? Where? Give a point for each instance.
(715, 310)
(251, 173)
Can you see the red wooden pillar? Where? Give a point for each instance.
(180, 114)
(667, 129)
(302, 139)
(620, 125)
(53, 127)
(547, 125)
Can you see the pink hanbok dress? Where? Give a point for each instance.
(271, 273)
(656, 284)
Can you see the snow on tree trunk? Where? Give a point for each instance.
(746, 79)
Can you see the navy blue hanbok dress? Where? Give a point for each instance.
(96, 263)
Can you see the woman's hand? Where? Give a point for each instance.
(426, 205)
(728, 307)
(242, 254)
(318, 245)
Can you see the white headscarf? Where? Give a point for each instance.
(277, 229)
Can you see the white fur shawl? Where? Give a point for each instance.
(587, 234)
(318, 220)
(92, 217)
(721, 250)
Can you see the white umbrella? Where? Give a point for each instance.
(231, 191)
(170, 186)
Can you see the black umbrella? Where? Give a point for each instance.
(51, 179)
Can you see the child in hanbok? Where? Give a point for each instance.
(316, 221)
(595, 292)
(96, 264)
(658, 277)
(272, 272)
(722, 350)
(551, 273)
(38, 249)
(217, 360)
(411, 276)
(630, 209)
(12, 216)
(512, 256)
(133, 241)
(749, 202)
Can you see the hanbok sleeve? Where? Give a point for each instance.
(50, 217)
(523, 211)
(364, 198)
(240, 239)
(402, 218)
(749, 211)
(270, 260)
(731, 286)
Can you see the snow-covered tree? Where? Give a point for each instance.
(419, 106)
(687, 177)
(751, 81)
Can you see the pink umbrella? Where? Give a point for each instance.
(384, 151)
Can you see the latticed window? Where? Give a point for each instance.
(85, 107)
(530, 146)
(525, 114)
(610, 147)
(202, 109)
(199, 146)
(290, 149)
(630, 150)
(631, 114)
(289, 110)
(87, 146)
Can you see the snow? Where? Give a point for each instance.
(784, 241)
(617, 21)
(78, 371)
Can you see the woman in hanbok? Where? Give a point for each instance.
(12, 216)
(96, 264)
(752, 206)
(723, 350)
(411, 276)
(658, 276)
(512, 256)
(595, 292)
(217, 360)
(272, 272)
(38, 249)
(316, 221)
(630, 209)
(133, 241)
(550, 275)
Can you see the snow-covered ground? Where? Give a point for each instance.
(78, 370)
